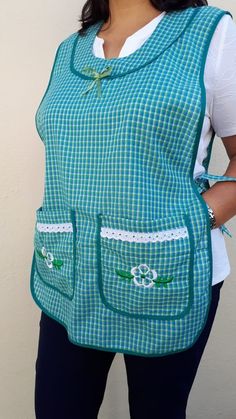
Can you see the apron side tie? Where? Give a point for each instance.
(202, 187)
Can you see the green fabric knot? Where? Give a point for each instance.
(88, 71)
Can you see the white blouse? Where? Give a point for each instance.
(220, 113)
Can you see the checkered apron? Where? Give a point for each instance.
(122, 245)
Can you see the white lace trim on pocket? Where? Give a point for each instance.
(139, 237)
(55, 228)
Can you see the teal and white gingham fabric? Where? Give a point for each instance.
(122, 245)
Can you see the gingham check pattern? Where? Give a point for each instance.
(124, 160)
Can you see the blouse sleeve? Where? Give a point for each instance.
(223, 109)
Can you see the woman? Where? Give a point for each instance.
(129, 248)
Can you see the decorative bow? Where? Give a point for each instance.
(97, 77)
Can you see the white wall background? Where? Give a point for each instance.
(30, 32)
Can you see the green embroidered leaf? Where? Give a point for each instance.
(163, 280)
(57, 263)
(40, 254)
(124, 274)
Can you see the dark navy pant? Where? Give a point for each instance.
(70, 380)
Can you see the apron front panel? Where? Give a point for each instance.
(127, 151)
(133, 272)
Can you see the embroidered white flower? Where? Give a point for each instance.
(143, 276)
(49, 258)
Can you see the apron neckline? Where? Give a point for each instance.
(171, 26)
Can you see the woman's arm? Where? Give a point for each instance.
(221, 197)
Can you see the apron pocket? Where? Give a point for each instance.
(145, 267)
(55, 249)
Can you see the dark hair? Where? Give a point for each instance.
(95, 10)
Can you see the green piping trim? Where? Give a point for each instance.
(209, 151)
(67, 295)
(119, 350)
(49, 83)
(196, 145)
(112, 60)
(141, 315)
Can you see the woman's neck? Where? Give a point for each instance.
(129, 16)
